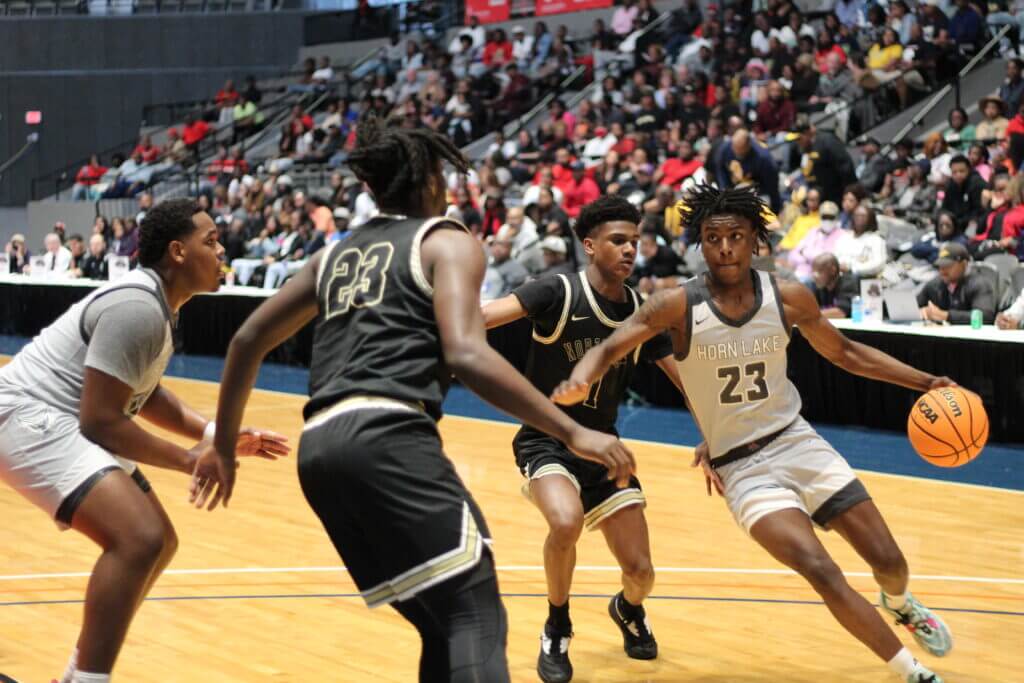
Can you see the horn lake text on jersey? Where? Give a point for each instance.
(741, 348)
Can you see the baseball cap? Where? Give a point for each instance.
(553, 243)
(952, 252)
(829, 210)
(518, 29)
(342, 212)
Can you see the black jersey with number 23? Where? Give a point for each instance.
(376, 333)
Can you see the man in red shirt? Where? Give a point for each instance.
(147, 150)
(194, 131)
(226, 96)
(582, 191)
(498, 51)
(86, 177)
(677, 169)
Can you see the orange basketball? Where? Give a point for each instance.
(948, 427)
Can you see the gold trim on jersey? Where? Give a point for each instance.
(415, 261)
(609, 506)
(566, 304)
(548, 470)
(361, 402)
(432, 572)
(597, 309)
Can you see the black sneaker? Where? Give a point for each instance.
(553, 664)
(637, 639)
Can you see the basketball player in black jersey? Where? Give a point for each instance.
(570, 315)
(397, 305)
(780, 479)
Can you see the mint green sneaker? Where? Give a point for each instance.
(928, 629)
(924, 676)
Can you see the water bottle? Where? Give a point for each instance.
(976, 319)
(857, 310)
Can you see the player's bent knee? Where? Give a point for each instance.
(145, 544)
(565, 527)
(821, 572)
(170, 544)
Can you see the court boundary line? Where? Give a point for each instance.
(525, 568)
(578, 596)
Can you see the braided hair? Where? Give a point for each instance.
(397, 162)
(704, 201)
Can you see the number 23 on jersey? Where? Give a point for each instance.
(358, 278)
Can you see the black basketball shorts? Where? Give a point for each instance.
(539, 455)
(390, 500)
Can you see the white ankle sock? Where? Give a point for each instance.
(897, 602)
(86, 677)
(903, 663)
(70, 670)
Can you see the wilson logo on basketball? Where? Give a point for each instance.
(951, 400)
(927, 411)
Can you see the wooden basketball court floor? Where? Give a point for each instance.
(256, 592)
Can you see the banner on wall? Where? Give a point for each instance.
(487, 11)
(546, 7)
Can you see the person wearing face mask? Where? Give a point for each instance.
(820, 240)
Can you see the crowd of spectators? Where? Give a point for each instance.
(720, 95)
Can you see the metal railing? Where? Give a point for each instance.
(953, 86)
(62, 178)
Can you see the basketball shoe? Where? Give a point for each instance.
(553, 665)
(928, 629)
(637, 639)
(924, 676)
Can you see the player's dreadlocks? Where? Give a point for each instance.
(704, 201)
(603, 210)
(396, 162)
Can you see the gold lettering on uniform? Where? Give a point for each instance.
(569, 353)
(702, 352)
(579, 348)
(589, 343)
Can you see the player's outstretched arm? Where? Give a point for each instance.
(167, 411)
(455, 265)
(502, 311)
(278, 318)
(860, 359)
(662, 310)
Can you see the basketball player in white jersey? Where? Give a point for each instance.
(780, 479)
(69, 444)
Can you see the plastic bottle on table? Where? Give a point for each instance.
(857, 310)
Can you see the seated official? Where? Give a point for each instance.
(957, 290)
(833, 289)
